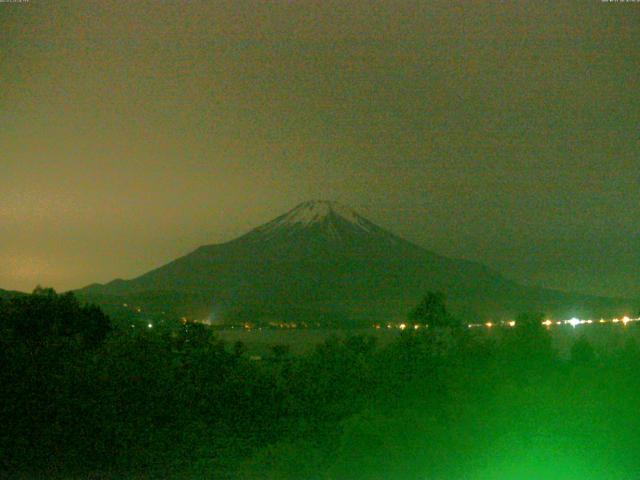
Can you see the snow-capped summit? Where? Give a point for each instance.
(318, 210)
(318, 213)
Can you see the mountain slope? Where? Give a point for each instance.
(322, 262)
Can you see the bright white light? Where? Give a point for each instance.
(574, 322)
(489, 324)
(403, 326)
(512, 323)
(547, 323)
(150, 325)
(626, 320)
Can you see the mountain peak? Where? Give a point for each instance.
(315, 211)
(323, 262)
(332, 216)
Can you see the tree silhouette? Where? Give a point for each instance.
(45, 315)
(432, 311)
(529, 342)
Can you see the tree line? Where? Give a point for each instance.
(85, 396)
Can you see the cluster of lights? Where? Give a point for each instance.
(490, 324)
(574, 322)
(401, 326)
(248, 326)
(137, 309)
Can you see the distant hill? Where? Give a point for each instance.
(322, 262)
(9, 293)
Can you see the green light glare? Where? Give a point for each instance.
(559, 460)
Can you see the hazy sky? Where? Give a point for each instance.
(133, 132)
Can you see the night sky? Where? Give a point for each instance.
(133, 132)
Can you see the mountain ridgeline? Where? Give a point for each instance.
(323, 264)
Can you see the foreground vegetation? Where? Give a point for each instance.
(85, 398)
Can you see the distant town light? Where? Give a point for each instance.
(403, 326)
(511, 323)
(547, 323)
(489, 324)
(574, 322)
(150, 325)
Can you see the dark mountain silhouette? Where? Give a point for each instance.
(322, 262)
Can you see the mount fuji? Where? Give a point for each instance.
(325, 264)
